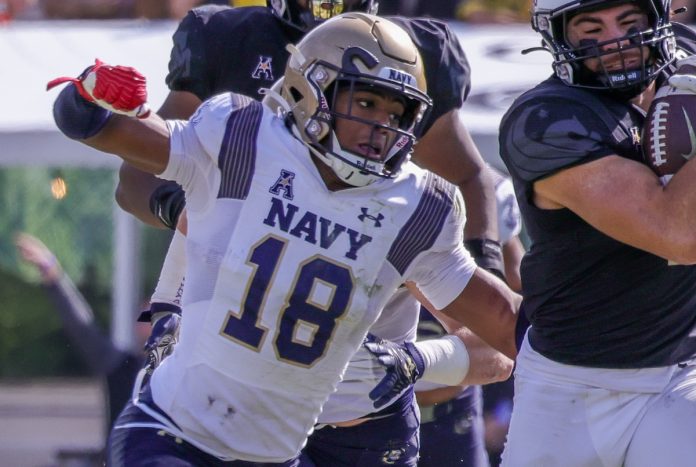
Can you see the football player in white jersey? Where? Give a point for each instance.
(301, 226)
(372, 415)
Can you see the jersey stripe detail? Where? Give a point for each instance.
(237, 156)
(420, 231)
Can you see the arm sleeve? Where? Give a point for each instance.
(170, 284)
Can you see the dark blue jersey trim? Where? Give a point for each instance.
(237, 158)
(421, 230)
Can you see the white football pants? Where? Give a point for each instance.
(570, 416)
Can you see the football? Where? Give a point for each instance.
(669, 133)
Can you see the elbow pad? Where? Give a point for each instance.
(167, 202)
(76, 117)
(488, 254)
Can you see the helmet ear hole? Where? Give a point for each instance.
(296, 94)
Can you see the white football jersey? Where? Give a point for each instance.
(284, 277)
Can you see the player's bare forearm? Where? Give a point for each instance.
(479, 199)
(486, 306)
(489, 309)
(105, 107)
(143, 143)
(487, 365)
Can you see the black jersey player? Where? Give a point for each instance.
(603, 377)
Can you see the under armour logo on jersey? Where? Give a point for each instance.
(284, 184)
(392, 456)
(263, 69)
(376, 219)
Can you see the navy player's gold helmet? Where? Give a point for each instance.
(354, 52)
(306, 14)
(550, 17)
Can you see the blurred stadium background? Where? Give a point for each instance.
(51, 409)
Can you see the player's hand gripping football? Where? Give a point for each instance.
(119, 89)
(403, 363)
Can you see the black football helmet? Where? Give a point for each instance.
(306, 17)
(550, 17)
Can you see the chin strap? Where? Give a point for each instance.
(271, 96)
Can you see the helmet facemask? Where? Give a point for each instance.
(392, 145)
(312, 85)
(655, 45)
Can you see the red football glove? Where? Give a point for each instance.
(118, 89)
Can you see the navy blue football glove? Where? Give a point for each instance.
(163, 336)
(404, 365)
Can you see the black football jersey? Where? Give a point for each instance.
(592, 300)
(219, 49)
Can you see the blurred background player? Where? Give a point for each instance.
(118, 367)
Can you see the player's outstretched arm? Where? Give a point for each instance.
(486, 365)
(486, 306)
(148, 198)
(98, 107)
(458, 359)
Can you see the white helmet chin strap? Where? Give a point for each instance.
(270, 94)
(346, 172)
(343, 170)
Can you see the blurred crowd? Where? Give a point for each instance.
(467, 10)
(472, 11)
(102, 9)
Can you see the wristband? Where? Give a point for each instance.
(76, 117)
(158, 308)
(446, 360)
(488, 254)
